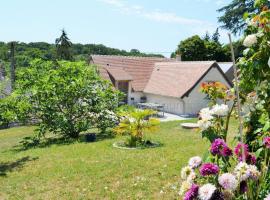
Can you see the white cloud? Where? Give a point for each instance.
(194, 26)
(155, 15)
(217, 2)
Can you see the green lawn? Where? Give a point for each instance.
(96, 170)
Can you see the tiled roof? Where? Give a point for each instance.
(118, 73)
(175, 79)
(139, 68)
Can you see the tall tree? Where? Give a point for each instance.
(12, 64)
(63, 47)
(232, 17)
(215, 36)
(207, 36)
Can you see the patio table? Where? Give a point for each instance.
(153, 106)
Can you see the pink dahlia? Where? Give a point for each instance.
(209, 169)
(266, 142)
(219, 147)
(238, 150)
(192, 193)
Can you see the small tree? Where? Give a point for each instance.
(63, 47)
(67, 98)
(207, 36)
(135, 123)
(215, 36)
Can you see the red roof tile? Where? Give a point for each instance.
(139, 68)
(118, 73)
(176, 78)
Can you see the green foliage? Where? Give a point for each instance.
(232, 15)
(255, 75)
(63, 47)
(67, 97)
(197, 49)
(135, 124)
(215, 36)
(13, 108)
(26, 52)
(192, 49)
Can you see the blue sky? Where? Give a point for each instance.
(147, 25)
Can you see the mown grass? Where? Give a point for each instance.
(97, 170)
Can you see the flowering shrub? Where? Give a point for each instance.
(243, 173)
(211, 181)
(255, 75)
(213, 122)
(216, 90)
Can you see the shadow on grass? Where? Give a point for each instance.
(32, 142)
(14, 165)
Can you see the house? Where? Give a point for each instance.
(227, 68)
(174, 84)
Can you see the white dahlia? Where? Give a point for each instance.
(206, 191)
(250, 40)
(206, 114)
(195, 162)
(242, 171)
(185, 172)
(228, 181)
(220, 110)
(204, 124)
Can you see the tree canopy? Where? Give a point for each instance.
(199, 49)
(232, 14)
(67, 97)
(26, 52)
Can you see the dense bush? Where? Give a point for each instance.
(67, 97)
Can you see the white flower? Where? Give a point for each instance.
(242, 171)
(267, 197)
(206, 114)
(204, 124)
(250, 40)
(185, 172)
(206, 191)
(260, 34)
(269, 62)
(195, 162)
(185, 186)
(253, 172)
(191, 177)
(220, 110)
(228, 181)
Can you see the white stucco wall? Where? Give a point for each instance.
(188, 105)
(196, 100)
(171, 104)
(137, 97)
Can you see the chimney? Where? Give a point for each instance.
(178, 57)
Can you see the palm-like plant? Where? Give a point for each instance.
(135, 123)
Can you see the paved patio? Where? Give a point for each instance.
(171, 117)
